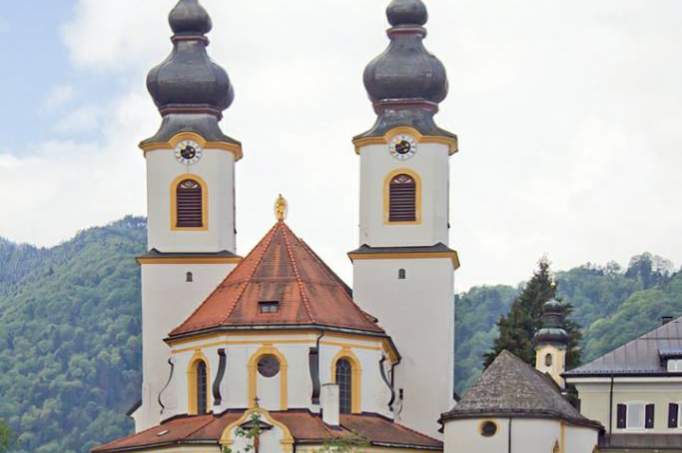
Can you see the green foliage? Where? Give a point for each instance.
(70, 350)
(6, 436)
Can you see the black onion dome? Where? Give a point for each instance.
(406, 82)
(188, 80)
(552, 330)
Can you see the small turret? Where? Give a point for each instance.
(551, 342)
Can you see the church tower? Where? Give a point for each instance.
(551, 342)
(404, 268)
(190, 191)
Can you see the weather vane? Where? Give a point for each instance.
(281, 208)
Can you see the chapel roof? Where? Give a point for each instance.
(282, 268)
(510, 387)
(643, 356)
(305, 427)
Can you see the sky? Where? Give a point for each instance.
(569, 116)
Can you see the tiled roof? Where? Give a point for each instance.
(305, 427)
(645, 442)
(511, 387)
(640, 356)
(280, 268)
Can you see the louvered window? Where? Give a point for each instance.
(344, 379)
(189, 205)
(403, 199)
(202, 388)
(673, 415)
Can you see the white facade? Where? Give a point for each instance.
(551, 359)
(291, 388)
(518, 435)
(417, 311)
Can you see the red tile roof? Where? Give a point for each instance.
(280, 268)
(304, 426)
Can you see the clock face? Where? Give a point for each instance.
(403, 147)
(188, 152)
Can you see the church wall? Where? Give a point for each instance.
(595, 400)
(431, 165)
(418, 313)
(527, 436)
(167, 298)
(216, 168)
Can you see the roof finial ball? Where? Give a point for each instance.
(407, 12)
(189, 18)
(281, 208)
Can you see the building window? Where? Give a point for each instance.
(674, 415)
(189, 205)
(202, 387)
(189, 277)
(268, 366)
(344, 379)
(402, 274)
(548, 360)
(402, 199)
(271, 306)
(488, 428)
(635, 416)
(674, 365)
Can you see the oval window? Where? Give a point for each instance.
(488, 429)
(268, 366)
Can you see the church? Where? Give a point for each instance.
(272, 352)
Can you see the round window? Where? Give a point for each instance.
(488, 429)
(268, 366)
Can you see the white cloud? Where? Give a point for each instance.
(568, 115)
(81, 119)
(59, 96)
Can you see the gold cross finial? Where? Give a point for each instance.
(281, 208)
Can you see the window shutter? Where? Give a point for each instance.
(673, 414)
(649, 416)
(403, 199)
(189, 205)
(622, 416)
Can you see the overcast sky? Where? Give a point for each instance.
(569, 115)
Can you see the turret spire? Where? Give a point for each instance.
(406, 82)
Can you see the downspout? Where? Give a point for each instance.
(509, 437)
(610, 410)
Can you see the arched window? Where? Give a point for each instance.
(548, 360)
(402, 199)
(344, 379)
(189, 277)
(202, 387)
(402, 274)
(189, 205)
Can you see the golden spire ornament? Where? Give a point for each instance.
(281, 208)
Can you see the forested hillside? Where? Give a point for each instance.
(70, 329)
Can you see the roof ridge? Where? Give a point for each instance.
(299, 281)
(269, 237)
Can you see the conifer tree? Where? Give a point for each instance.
(516, 329)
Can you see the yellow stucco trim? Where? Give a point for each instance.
(174, 202)
(192, 403)
(206, 145)
(356, 377)
(450, 142)
(191, 260)
(418, 195)
(287, 442)
(269, 349)
(406, 256)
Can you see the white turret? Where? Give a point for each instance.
(403, 270)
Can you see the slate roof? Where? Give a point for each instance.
(646, 442)
(510, 387)
(641, 356)
(280, 268)
(305, 427)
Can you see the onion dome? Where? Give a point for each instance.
(552, 330)
(406, 82)
(189, 89)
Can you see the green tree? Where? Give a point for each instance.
(518, 327)
(6, 437)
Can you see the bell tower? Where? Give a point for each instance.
(551, 342)
(404, 268)
(190, 195)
